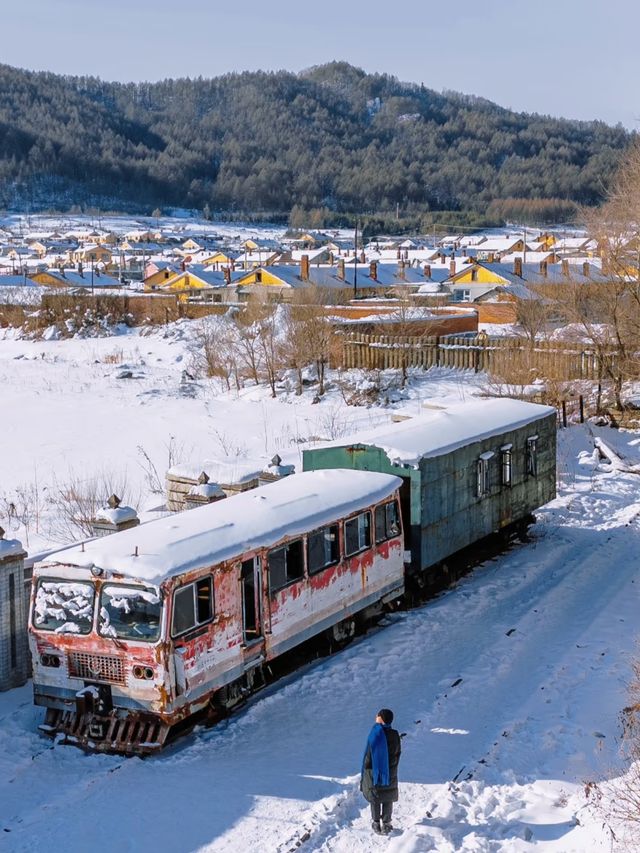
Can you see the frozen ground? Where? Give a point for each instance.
(537, 644)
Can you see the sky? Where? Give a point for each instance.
(572, 58)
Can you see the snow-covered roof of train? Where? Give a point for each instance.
(223, 530)
(445, 430)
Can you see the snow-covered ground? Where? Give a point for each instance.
(508, 688)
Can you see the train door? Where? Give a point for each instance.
(405, 508)
(251, 581)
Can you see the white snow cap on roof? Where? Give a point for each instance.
(437, 433)
(224, 530)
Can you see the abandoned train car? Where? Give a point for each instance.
(133, 633)
(468, 471)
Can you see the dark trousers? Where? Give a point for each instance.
(381, 811)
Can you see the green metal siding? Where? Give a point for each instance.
(446, 513)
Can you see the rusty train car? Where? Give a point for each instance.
(133, 634)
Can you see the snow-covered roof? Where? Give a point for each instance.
(445, 430)
(221, 531)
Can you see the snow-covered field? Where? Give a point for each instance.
(537, 643)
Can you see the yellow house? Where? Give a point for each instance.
(52, 278)
(282, 276)
(548, 240)
(219, 259)
(160, 277)
(91, 252)
(38, 248)
(477, 273)
(185, 283)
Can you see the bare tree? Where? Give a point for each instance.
(609, 312)
(74, 503)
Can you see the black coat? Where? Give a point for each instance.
(382, 793)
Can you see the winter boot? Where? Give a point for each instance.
(375, 826)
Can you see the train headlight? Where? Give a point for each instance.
(50, 660)
(144, 672)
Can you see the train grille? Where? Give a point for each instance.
(96, 667)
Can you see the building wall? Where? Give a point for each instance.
(14, 649)
(495, 312)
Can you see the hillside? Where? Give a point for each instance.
(332, 136)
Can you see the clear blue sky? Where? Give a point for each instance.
(576, 58)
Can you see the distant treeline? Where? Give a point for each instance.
(332, 140)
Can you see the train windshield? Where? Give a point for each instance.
(129, 613)
(65, 607)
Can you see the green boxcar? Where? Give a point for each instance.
(468, 470)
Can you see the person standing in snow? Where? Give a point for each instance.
(379, 778)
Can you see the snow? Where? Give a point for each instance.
(440, 432)
(117, 515)
(212, 534)
(533, 717)
(207, 490)
(10, 547)
(520, 733)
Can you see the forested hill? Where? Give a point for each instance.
(331, 137)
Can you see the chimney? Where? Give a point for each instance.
(585, 269)
(183, 266)
(373, 270)
(491, 257)
(363, 257)
(332, 259)
(427, 271)
(543, 268)
(452, 268)
(398, 254)
(401, 273)
(341, 269)
(304, 268)
(517, 267)
(565, 268)
(227, 275)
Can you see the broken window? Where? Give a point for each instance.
(286, 565)
(65, 607)
(323, 548)
(357, 533)
(129, 613)
(532, 456)
(387, 520)
(192, 606)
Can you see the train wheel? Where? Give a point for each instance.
(340, 635)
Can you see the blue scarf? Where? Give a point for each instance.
(377, 743)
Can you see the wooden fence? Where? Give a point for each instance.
(502, 357)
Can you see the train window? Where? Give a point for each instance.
(65, 607)
(192, 606)
(286, 565)
(387, 521)
(483, 481)
(506, 467)
(129, 613)
(357, 533)
(532, 456)
(323, 548)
